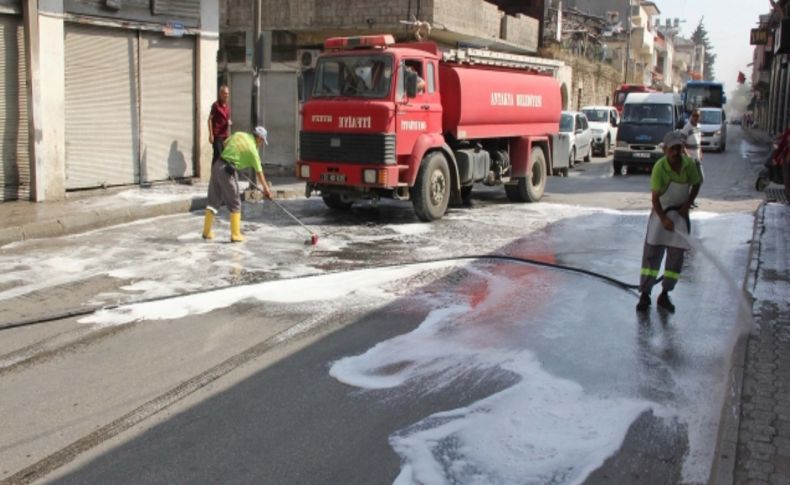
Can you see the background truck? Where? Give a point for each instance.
(403, 121)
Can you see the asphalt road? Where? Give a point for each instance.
(242, 391)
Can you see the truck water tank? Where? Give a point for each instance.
(486, 102)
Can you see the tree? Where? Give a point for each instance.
(700, 37)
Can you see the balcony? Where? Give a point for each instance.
(642, 41)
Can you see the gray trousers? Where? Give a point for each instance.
(651, 264)
(223, 187)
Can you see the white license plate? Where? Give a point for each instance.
(641, 155)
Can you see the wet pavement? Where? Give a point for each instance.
(763, 449)
(661, 377)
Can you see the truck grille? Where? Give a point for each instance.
(337, 147)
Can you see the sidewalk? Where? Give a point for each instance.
(763, 432)
(83, 211)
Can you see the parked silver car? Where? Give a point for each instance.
(579, 136)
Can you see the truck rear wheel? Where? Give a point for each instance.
(530, 189)
(431, 191)
(337, 201)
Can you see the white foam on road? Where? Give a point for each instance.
(543, 429)
(371, 284)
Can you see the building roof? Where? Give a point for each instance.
(651, 8)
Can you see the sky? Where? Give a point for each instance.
(728, 23)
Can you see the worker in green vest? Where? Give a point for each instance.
(240, 152)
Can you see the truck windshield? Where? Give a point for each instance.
(648, 114)
(362, 76)
(596, 114)
(710, 117)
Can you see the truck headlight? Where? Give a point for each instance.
(304, 171)
(622, 144)
(717, 133)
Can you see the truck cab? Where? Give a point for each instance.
(366, 110)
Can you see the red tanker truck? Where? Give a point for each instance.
(405, 121)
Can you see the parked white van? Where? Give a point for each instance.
(713, 127)
(603, 122)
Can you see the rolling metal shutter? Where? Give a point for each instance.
(168, 106)
(102, 107)
(279, 103)
(14, 151)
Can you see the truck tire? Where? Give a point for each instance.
(431, 191)
(337, 201)
(618, 166)
(530, 189)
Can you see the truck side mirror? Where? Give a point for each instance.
(411, 84)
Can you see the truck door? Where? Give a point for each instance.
(421, 114)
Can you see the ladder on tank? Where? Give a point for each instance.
(502, 59)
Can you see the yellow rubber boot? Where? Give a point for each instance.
(207, 222)
(235, 227)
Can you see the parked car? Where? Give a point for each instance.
(576, 126)
(713, 126)
(647, 117)
(603, 122)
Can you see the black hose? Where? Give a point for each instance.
(498, 257)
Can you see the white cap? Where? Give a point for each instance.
(673, 138)
(261, 132)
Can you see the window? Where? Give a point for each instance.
(416, 66)
(656, 114)
(566, 123)
(357, 76)
(710, 117)
(595, 114)
(431, 78)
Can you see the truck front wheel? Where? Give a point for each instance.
(530, 189)
(337, 201)
(431, 191)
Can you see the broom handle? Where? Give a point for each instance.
(281, 207)
(292, 216)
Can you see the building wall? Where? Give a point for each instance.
(186, 12)
(592, 83)
(46, 86)
(472, 17)
(206, 72)
(46, 108)
(521, 30)
(318, 14)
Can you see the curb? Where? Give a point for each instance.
(98, 218)
(726, 452)
(95, 219)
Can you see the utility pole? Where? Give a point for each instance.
(627, 44)
(257, 62)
